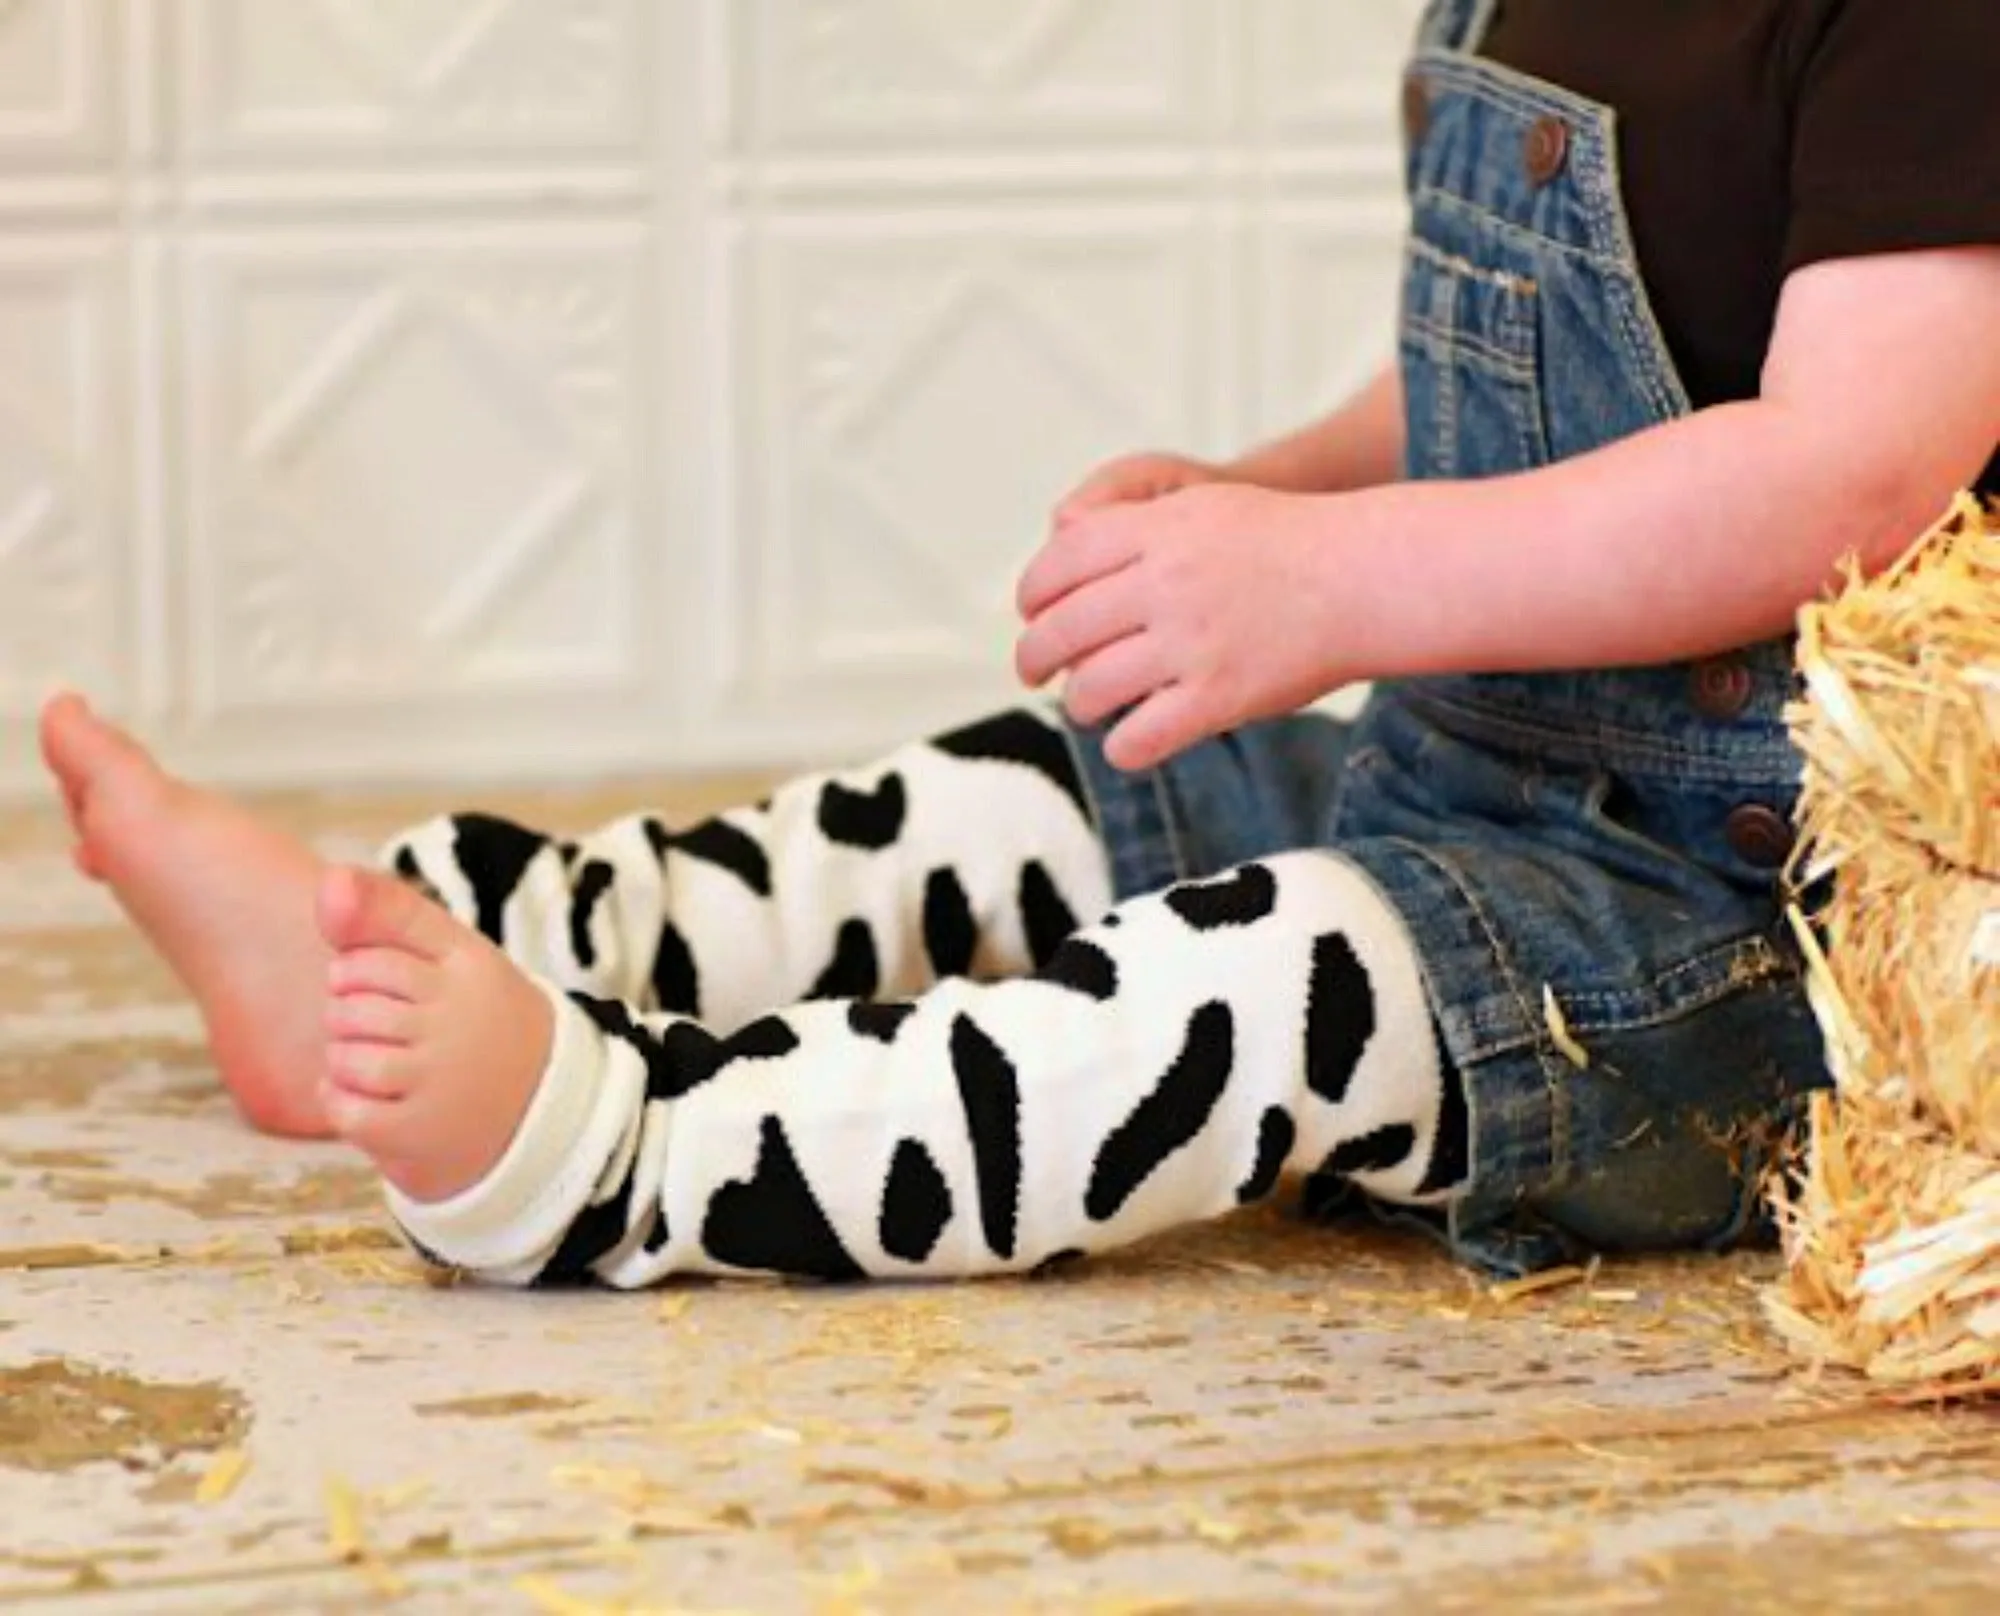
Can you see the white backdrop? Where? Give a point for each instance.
(407, 389)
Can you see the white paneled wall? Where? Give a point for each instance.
(401, 389)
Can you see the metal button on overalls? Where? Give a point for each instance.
(1759, 835)
(1545, 149)
(1721, 687)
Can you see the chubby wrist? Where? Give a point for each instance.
(1371, 584)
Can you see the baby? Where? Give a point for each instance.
(1504, 957)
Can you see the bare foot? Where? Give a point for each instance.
(226, 900)
(436, 1039)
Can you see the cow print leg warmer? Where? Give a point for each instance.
(972, 854)
(1161, 1067)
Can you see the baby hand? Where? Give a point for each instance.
(1134, 479)
(1191, 614)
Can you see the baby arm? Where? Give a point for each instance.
(1881, 398)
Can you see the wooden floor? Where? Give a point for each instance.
(222, 1389)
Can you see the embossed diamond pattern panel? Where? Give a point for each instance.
(1024, 71)
(412, 465)
(59, 77)
(456, 387)
(1325, 292)
(66, 568)
(934, 387)
(333, 78)
(1328, 72)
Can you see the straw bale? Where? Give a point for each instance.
(1892, 1222)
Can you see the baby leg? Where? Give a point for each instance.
(969, 854)
(1162, 1067)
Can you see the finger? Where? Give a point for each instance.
(1078, 624)
(1166, 722)
(1093, 548)
(1125, 484)
(1107, 487)
(1120, 676)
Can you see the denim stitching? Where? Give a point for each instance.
(1481, 1044)
(1718, 765)
(1425, 194)
(1519, 285)
(1743, 963)
(1170, 826)
(1477, 23)
(1455, 340)
(1669, 391)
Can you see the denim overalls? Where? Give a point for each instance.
(1610, 841)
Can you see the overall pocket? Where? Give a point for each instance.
(1470, 350)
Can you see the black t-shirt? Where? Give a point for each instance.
(1759, 136)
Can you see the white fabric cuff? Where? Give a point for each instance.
(505, 1226)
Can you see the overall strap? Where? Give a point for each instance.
(1455, 25)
